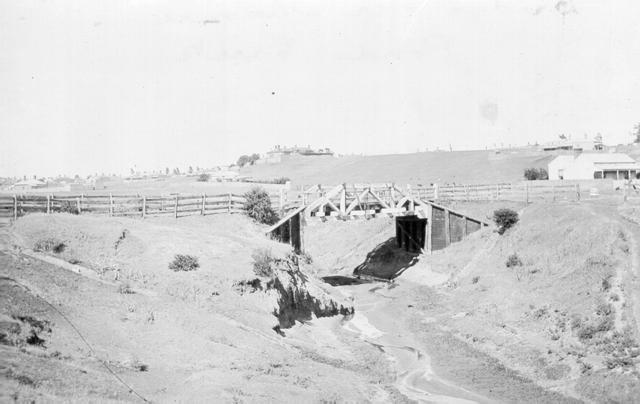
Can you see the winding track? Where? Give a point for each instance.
(416, 378)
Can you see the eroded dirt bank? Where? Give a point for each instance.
(171, 336)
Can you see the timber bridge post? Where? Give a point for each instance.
(443, 225)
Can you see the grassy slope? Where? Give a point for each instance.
(418, 168)
(198, 336)
(530, 316)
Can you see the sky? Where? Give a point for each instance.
(104, 86)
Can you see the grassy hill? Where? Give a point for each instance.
(417, 168)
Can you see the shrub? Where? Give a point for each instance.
(532, 174)
(281, 180)
(125, 289)
(262, 262)
(258, 206)
(513, 261)
(586, 332)
(505, 219)
(543, 174)
(204, 177)
(182, 262)
(604, 309)
(49, 244)
(605, 324)
(475, 279)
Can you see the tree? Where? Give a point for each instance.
(258, 206)
(243, 160)
(166, 170)
(563, 137)
(636, 133)
(254, 157)
(190, 170)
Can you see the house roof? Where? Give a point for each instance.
(596, 158)
(30, 183)
(600, 158)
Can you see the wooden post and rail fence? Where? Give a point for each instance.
(321, 200)
(14, 206)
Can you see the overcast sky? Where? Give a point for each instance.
(93, 86)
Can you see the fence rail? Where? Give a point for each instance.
(526, 191)
(15, 206)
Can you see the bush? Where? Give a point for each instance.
(586, 332)
(513, 261)
(262, 262)
(49, 244)
(532, 174)
(505, 219)
(258, 206)
(281, 180)
(125, 289)
(204, 177)
(183, 262)
(543, 174)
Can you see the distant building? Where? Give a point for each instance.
(584, 166)
(574, 145)
(28, 184)
(279, 153)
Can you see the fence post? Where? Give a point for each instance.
(110, 204)
(526, 193)
(204, 198)
(229, 203)
(15, 207)
(281, 200)
(48, 204)
(447, 228)
(411, 201)
(144, 207)
(435, 191)
(78, 205)
(577, 192)
(175, 207)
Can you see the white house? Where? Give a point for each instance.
(585, 166)
(28, 184)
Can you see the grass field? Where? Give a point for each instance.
(463, 167)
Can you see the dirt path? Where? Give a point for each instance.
(416, 378)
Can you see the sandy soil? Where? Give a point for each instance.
(454, 326)
(183, 337)
(551, 329)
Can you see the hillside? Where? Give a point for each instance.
(466, 167)
(171, 336)
(559, 325)
(564, 315)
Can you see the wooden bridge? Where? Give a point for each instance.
(444, 225)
